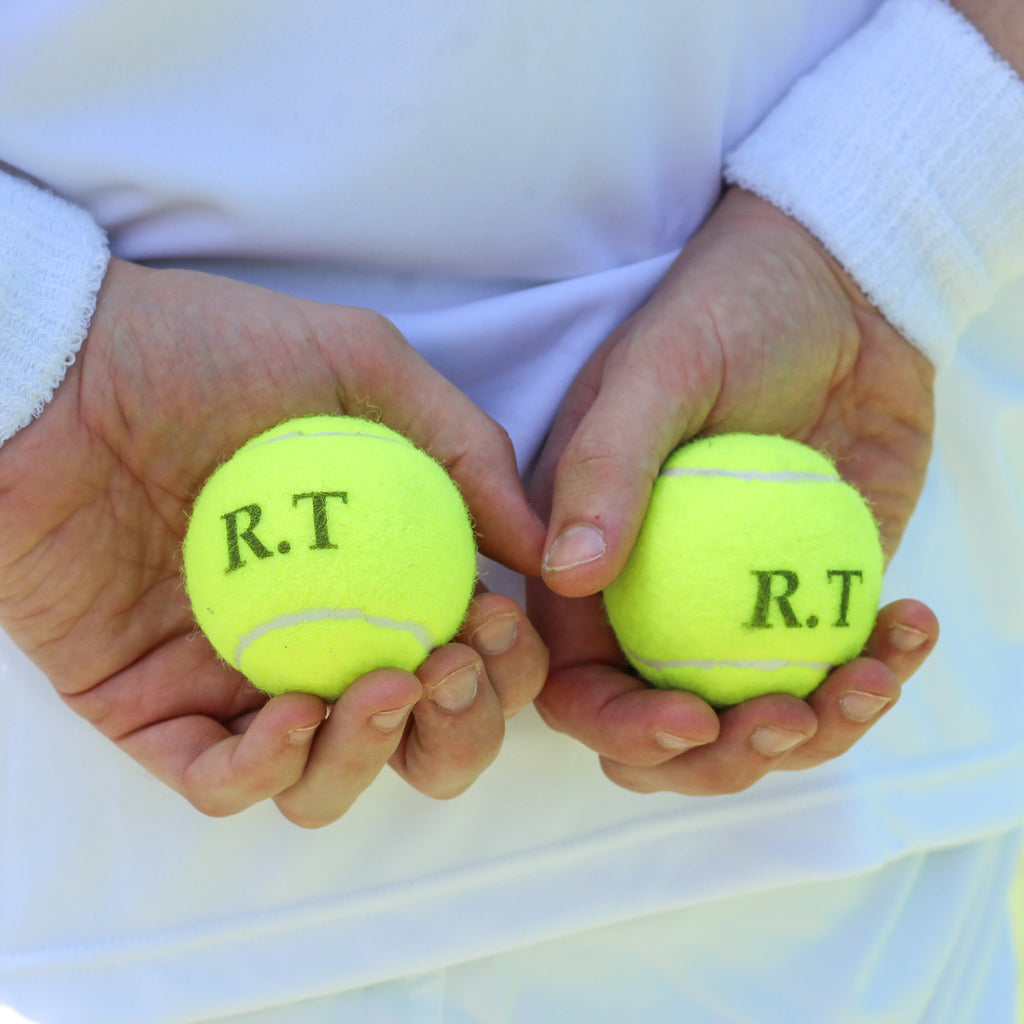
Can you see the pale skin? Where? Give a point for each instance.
(177, 371)
(94, 498)
(1002, 24)
(754, 328)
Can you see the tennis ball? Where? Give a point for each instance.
(324, 548)
(757, 570)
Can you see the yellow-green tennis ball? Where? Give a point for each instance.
(325, 548)
(757, 570)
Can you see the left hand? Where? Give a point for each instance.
(178, 370)
(754, 328)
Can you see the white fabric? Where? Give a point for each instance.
(52, 259)
(953, 966)
(506, 230)
(902, 153)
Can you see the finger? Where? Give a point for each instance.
(644, 402)
(483, 464)
(221, 772)
(456, 730)
(515, 658)
(905, 633)
(181, 677)
(575, 630)
(855, 696)
(755, 738)
(478, 453)
(350, 748)
(591, 696)
(780, 732)
(176, 711)
(622, 718)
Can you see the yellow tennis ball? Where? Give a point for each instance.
(325, 548)
(757, 570)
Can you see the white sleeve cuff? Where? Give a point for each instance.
(52, 260)
(903, 152)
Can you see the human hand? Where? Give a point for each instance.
(178, 370)
(754, 328)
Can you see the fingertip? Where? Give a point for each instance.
(455, 692)
(578, 545)
(512, 535)
(382, 699)
(579, 561)
(509, 531)
(863, 706)
(284, 717)
(907, 638)
(493, 624)
(905, 633)
(496, 635)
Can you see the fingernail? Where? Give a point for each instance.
(907, 638)
(677, 744)
(859, 706)
(455, 692)
(771, 741)
(578, 545)
(389, 721)
(300, 737)
(497, 635)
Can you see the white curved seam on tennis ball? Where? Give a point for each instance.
(776, 476)
(293, 434)
(756, 665)
(416, 630)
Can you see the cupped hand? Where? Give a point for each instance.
(178, 370)
(754, 328)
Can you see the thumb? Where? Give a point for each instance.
(419, 402)
(624, 415)
(480, 457)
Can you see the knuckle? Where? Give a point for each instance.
(501, 440)
(371, 326)
(592, 456)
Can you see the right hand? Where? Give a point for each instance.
(754, 328)
(178, 370)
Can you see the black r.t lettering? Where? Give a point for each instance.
(844, 595)
(762, 603)
(318, 499)
(256, 546)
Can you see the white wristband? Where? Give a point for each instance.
(903, 152)
(52, 260)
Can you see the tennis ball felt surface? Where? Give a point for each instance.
(325, 548)
(757, 570)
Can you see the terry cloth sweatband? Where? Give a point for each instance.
(903, 152)
(52, 260)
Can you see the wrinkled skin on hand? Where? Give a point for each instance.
(754, 328)
(178, 370)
